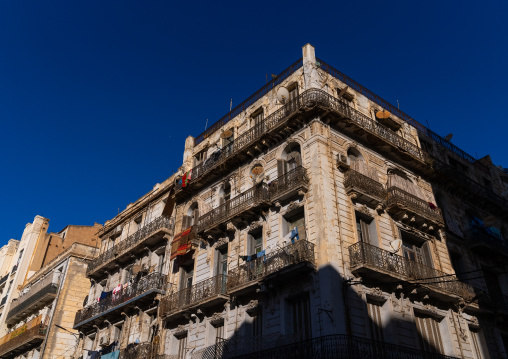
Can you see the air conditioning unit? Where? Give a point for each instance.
(342, 163)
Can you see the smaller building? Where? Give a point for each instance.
(45, 287)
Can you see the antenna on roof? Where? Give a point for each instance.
(206, 125)
(398, 105)
(230, 105)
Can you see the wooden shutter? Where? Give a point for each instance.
(428, 330)
(376, 326)
(365, 231)
(427, 256)
(195, 214)
(185, 222)
(280, 167)
(170, 205)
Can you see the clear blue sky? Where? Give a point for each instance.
(97, 97)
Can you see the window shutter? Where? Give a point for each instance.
(365, 231)
(298, 159)
(185, 222)
(280, 167)
(427, 255)
(196, 216)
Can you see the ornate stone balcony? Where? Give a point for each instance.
(293, 259)
(38, 296)
(216, 219)
(388, 267)
(23, 339)
(141, 292)
(484, 241)
(290, 117)
(150, 235)
(404, 205)
(206, 293)
(363, 188)
(326, 347)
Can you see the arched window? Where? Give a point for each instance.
(192, 216)
(291, 158)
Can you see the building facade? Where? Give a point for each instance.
(315, 219)
(46, 286)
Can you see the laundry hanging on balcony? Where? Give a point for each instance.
(253, 256)
(294, 235)
(184, 181)
(181, 244)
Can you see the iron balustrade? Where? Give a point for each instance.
(135, 352)
(15, 268)
(201, 291)
(37, 291)
(399, 197)
(307, 99)
(400, 114)
(4, 279)
(301, 251)
(477, 235)
(252, 197)
(131, 241)
(4, 299)
(234, 206)
(34, 330)
(354, 180)
(152, 281)
(325, 347)
(287, 182)
(250, 100)
(364, 254)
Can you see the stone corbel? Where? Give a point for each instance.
(217, 319)
(230, 227)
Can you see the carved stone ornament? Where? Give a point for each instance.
(181, 331)
(221, 241)
(429, 310)
(376, 294)
(364, 209)
(217, 319)
(473, 323)
(253, 308)
(230, 227)
(255, 225)
(292, 206)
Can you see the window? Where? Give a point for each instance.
(257, 325)
(478, 346)
(200, 157)
(375, 323)
(225, 193)
(458, 265)
(299, 316)
(19, 258)
(187, 275)
(192, 216)
(457, 165)
(182, 344)
(257, 117)
(366, 229)
(291, 158)
(294, 223)
(138, 223)
(416, 249)
(222, 260)
(428, 333)
(255, 242)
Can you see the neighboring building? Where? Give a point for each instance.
(128, 277)
(39, 293)
(7, 254)
(314, 220)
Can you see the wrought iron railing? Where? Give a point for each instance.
(250, 100)
(477, 234)
(354, 180)
(299, 252)
(206, 289)
(4, 279)
(364, 254)
(398, 197)
(2, 302)
(307, 99)
(34, 329)
(152, 281)
(15, 268)
(325, 347)
(287, 182)
(48, 285)
(135, 352)
(400, 114)
(234, 206)
(130, 242)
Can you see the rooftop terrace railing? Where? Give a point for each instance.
(130, 242)
(250, 100)
(364, 254)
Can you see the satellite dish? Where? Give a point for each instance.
(226, 134)
(396, 244)
(383, 114)
(448, 137)
(282, 94)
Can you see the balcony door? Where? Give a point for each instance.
(291, 159)
(416, 249)
(428, 333)
(299, 319)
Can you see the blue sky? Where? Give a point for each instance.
(97, 97)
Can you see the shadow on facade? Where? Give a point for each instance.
(320, 314)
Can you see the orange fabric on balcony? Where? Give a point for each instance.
(181, 244)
